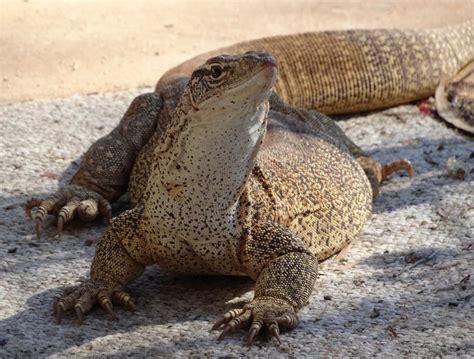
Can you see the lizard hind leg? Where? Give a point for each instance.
(120, 257)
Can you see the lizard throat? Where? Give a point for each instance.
(204, 170)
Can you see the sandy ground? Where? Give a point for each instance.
(398, 293)
(58, 48)
(402, 290)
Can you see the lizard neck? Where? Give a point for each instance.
(203, 165)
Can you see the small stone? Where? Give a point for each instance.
(3, 340)
(455, 168)
(88, 242)
(327, 297)
(284, 348)
(465, 281)
(411, 257)
(375, 313)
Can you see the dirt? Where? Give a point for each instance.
(56, 48)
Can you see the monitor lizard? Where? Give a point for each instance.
(234, 182)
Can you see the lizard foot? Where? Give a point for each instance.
(377, 172)
(395, 166)
(273, 314)
(67, 203)
(83, 297)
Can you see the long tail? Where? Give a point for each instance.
(357, 70)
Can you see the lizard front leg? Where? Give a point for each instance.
(285, 272)
(121, 256)
(104, 170)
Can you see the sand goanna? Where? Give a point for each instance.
(138, 134)
(234, 188)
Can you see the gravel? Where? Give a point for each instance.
(403, 289)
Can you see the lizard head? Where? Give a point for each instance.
(232, 81)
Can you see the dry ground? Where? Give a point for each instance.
(402, 290)
(57, 48)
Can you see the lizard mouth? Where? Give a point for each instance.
(269, 61)
(269, 71)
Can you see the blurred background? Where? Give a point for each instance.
(54, 48)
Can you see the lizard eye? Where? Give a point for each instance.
(216, 71)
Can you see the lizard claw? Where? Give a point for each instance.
(83, 297)
(252, 334)
(60, 224)
(79, 314)
(270, 313)
(224, 332)
(67, 203)
(109, 309)
(38, 227)
(58, 314)
(273, 329)
(123, 298)
(31, 203)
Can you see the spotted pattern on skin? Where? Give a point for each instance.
(199, 170)
(324, 207)
(106, 166)
(141, 168)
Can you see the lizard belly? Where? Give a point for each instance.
(312, 188)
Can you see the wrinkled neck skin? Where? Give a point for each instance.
(203, 164)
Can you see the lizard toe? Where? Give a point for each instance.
(264, 314)
(395, 166)
(124, 299)
(67, 203)
(240, 320)
(84, 297)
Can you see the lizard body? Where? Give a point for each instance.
(272, 200)
(234, 188)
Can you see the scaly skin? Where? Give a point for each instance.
(356, 70)
(234, 187)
